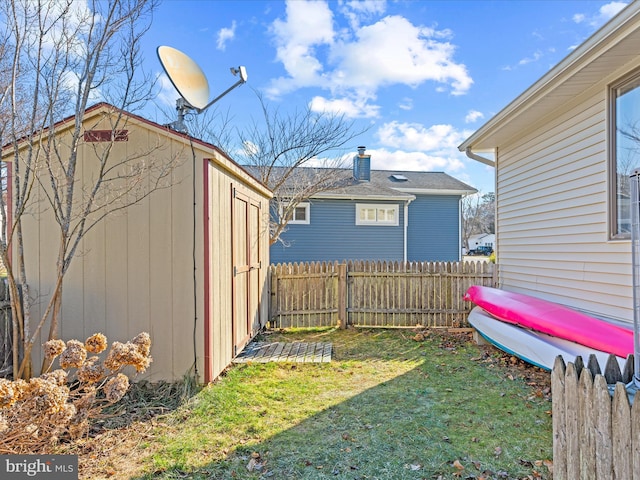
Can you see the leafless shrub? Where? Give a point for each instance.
(59, 405)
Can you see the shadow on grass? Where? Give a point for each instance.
(386, 408)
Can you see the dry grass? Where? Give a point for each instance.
(60, 405)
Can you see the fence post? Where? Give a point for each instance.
(342, 295)
(273, 295)
(558, 408)
(494, 271)
(594, 432)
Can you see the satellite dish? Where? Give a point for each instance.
(186, 76)
(191, 83)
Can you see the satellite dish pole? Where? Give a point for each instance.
(191, 83)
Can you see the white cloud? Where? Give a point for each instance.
(250, 148)
(168, 93)
(394, 51)
(412, 146)
(367, 6)
(382, 159)
(350, 108)
(610, 10)
(406, 104)
(537, 55)
(225, 35)
(77, 20)
(308, 25)
(473, 116)
(579, 17)
(70, 81)
(605, 13)
(357, 10)
(414, 136)
(358, 60)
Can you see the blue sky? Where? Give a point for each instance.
(420, 75)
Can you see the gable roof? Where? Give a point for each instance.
(398, 185)
(210, 151)
(612, 46)
(430, 183)
(384, 184)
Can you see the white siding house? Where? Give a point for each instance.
(482, 240)
(562, 169)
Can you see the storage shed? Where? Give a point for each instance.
(188, 263)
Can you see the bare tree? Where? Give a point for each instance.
(297, 155)
(478, 215)
(67, 55)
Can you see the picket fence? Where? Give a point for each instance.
(374, 294)
(596, 423)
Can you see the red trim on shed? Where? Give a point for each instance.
(208, 354)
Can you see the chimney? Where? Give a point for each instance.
(362, 166)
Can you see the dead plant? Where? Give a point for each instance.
(60, 404)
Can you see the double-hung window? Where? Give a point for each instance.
(624, 151)
(370, 214)
(300, 214)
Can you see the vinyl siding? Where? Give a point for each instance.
(333, 235)
(434, 228)
(552, 222)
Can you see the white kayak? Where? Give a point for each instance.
(533, 347)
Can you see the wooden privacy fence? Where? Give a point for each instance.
(374, 294)
(596, 434)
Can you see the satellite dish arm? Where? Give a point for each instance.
(243, 79)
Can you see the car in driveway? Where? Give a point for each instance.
(482, 250)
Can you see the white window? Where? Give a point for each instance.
(300, 214)
(370, 214)
(624, 152)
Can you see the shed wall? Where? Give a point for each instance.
(135, 270)
(219, 270)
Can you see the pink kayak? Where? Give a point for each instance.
(553, 319)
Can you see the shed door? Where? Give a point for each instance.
(246, 269)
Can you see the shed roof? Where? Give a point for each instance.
(613, 45)
(209, 150)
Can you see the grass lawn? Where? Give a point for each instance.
(389, 406)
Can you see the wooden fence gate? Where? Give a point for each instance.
(374, 294)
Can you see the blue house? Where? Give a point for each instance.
(377, 215)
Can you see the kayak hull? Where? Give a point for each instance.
(533, 347)
(553, 319)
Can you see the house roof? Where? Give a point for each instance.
(399, 185)
(350, 188)
(613, 45)
(436, 183)
(387, 184)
